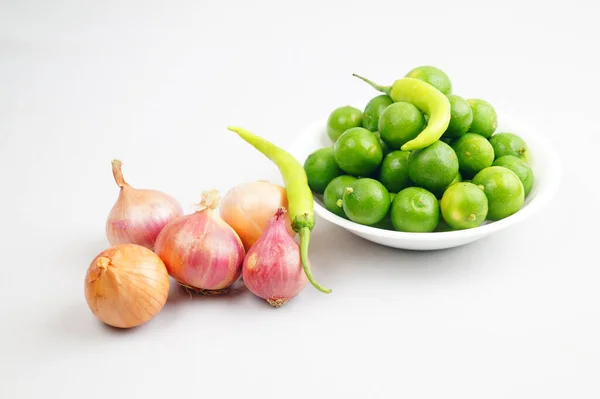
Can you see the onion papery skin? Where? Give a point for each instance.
(201, 252)
(272, 269)
(126, 285)
(138, 216)
(248, 207)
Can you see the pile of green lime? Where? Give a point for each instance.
(469, 175)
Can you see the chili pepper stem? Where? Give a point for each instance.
(383, 89)
(304, 241)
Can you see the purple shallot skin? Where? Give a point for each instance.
(272, 269)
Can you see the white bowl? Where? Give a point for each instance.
(544, 162)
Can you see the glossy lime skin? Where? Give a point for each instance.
(464, 206)
(342, 119)
(332, 197)
(521, 169)
(474, 153)
(415, 210)
(485, 120)
(373, 109)
(358, 152)
(321, 168)
(503, 189)
(384, 147)
(386, 222)
(366, 201)
(433, 167)
(509, 144)
(393, 173)
(432, 75)
(461, 116)
(457, 179)
(400, 123)
(438, 193)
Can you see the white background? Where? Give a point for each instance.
(516, 315)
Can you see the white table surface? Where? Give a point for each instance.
(516, 315)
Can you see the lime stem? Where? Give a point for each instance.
(383, 89)
(304, 241)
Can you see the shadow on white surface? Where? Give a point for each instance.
(345, 262)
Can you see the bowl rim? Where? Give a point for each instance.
(543, 196)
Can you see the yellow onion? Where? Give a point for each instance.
(138, 215)
(248, 207)
(200, 250)
(126, 285)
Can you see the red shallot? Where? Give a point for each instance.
(272, 269)
(200, 250)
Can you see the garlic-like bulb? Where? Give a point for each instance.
(138, 216)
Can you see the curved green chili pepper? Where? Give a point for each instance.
(425, 97)
(299, 195)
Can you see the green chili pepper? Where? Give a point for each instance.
(428, 99)
(299, 195)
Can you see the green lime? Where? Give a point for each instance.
(457, 179)
(474, 153)
(399, 123)
(434, 76)
(358, 152)
(521, 169)
(342, 119)
(485, 120)
(439, 193)
(384, 147)
(393, 173)
(464, 206)
(415, 210)
(332, 197)
(509, 144)
(433, 167)
(461, 116)
(374, 108)
(503, 189)
(321, 168)
(366, 201)
(386, 222)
